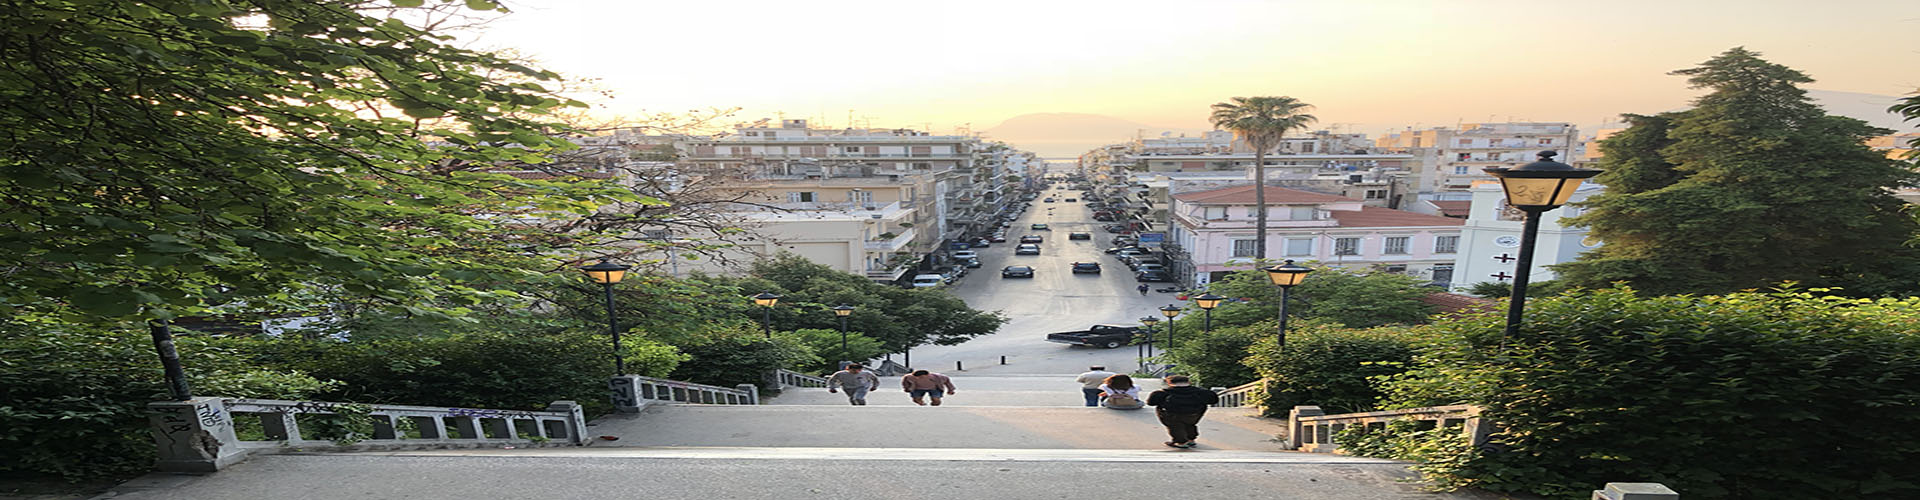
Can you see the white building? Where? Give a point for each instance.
(1490, 241)
(1452, 160)
(1214, 230)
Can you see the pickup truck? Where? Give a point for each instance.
(1108, 336)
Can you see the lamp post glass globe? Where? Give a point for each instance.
(1170, 311)
(766, 299)
(605, 273)
(842, 310)
(1288, 274)
(1542, 185)
(1208, 301)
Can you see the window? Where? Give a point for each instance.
(1346, 246)
(860, 196)
(1465, 156)
(1546, 141)
(1216, 213)
(1466, 143)
(1446, 244)
(923, 166)
(851, 149)
(1301, 213)
(1443, 274)
(800, 197)
(1244, 248)
(1396, 245)
(1299, 247)
(1396, 268)
(1376, 194)
(1459, 170)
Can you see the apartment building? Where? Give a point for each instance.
(876, 241)
(1216, 230)
(1452, 159)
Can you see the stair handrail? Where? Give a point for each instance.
(206, 434)
(1238, 396)
(633, 392)
(1312, 430)
(789, 378)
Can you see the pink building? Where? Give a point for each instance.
(1215, 231)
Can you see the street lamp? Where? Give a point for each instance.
(1149, 321)
(606, 274)
(1207, 303)
(1285, 276)
(766, 300)
(843, 311)
(1534, 188)
(1170, 311)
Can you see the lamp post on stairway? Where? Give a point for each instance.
(843, 311)
(1149, 321)
(766, 300)
(1207, 303)
(608, 274)
(1170, 311)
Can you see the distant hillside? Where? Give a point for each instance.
(1070, 134)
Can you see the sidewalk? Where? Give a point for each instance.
(996, 390)
(1001, 427)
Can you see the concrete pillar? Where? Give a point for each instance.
(1293, 424)
(576, 421)
(753, 393)
(1635, 491)
(625, 391)
(195, 435)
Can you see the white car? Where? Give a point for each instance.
(928, 280)
(963, 255)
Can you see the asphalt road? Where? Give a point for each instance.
(1054, 300)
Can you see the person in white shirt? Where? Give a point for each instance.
(856, 380)
(1090, 383)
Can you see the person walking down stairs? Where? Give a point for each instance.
(1180, 407)
(922, 383)
(856, 380)
(1090, 383)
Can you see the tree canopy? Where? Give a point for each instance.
(1261, 121)
(1754, 186)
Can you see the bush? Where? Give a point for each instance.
(1217, 359)
(825, 344)
(743, 357)
(1751, 395)
(1329, 366)
(74, 401)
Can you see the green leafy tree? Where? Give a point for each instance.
(165, 159)
(899, 318)
(1352, 298)
(1753, 186)
(1500, 290)
(826, 344)
(1261, 121)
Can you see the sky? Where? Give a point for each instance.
(1368, 66)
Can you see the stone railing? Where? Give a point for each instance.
(633, 392)
(890, 368)
(1235, 397)
(207, 434)
(789, 378)
(1311, 430)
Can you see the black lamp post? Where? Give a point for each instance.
(1285, 276)
(162, 334)
(1149, 321)
(606, 274)
(1207, 303)
(1534, 188)
(843, 311)
(1170, 311)
(766, 300)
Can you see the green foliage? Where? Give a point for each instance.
(75, 398)
(826, 345)
(1330, 366)
(1217, 359)
(1352, 298)
(1752, 395)
(899, 318)
(348, 424)
(742, 357)
(1435, 452)
(1501, 290)
(1753, 186)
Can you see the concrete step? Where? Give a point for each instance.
(841, 426)
(969, 390)
(1161, 455)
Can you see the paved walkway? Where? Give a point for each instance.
(970, 390)
(844, 426)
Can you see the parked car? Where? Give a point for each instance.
(1114, 228)
(1039, 227)
(1108, 336)
(1079, 236)
(1103, 217)
(1086, 267)
(1139, 262)
(1154, 276)
(928, 280)
(1070, 200)
(1017, 272)
(1131, 251)
(1150, 267)
(1048, 200)
(1031, 238)
(999, 238)
(982, 243)
(973, 262)
(1124, 241)
(1113, 250)
(964, 255)
(1027, 249)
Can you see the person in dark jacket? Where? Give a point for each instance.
(1180, 407)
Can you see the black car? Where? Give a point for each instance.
(1017, 272)
(1155, 276)
(1070, 200)
(973, 262)
(1114, 228)
(1086, 267)
(1031, 238)
(1079, 236)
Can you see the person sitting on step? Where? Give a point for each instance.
(1119, 393)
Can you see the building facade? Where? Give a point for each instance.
(1216, 230)
(1453, 159)
(1490, 240)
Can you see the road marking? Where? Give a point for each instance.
(908, 454)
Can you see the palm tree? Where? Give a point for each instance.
(1261, 121)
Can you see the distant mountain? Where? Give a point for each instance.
(1869, 107)
(1071, 134)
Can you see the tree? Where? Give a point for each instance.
(899, 318)
(1338, 295)
(192, 158)
(1261, 121)
(1754, 186)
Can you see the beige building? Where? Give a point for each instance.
(877, 243)
(1452, 159)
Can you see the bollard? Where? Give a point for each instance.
(1003, 360)
(957, 368)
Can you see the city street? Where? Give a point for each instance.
(1054, 300)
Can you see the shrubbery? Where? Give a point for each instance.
(1749, 396)
(1217, 359)
(1329, 366)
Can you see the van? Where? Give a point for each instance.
(928, 280)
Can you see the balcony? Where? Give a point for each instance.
(898, 242)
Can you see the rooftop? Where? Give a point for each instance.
(1244, 195)
(1453, 208)
(1387, 217)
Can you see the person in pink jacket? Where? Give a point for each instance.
(922, 383)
